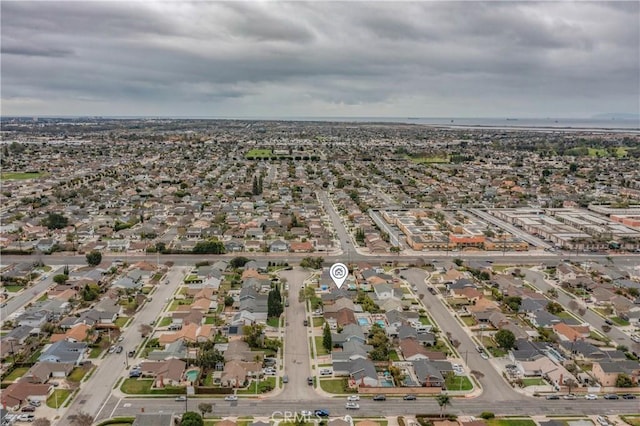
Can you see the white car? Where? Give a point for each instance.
(306, 413)
(231, 398)
(353, 398)
(484, 356)
(26, 418)
(352, 406)
(591, 396)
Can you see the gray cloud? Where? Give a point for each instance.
(320, 58)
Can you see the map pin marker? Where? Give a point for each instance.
(338, 273)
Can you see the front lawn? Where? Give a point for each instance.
(122, 321)
(21, 175)
(165, 321)
(318, 321)
(632, 420)
(16, 374)
(136, 386)
(393, 356)
(620, 321)
(273, 322)
(458, 383)
(424, 320)
(58, 397)
(95, 352)
(339, 386)
(13, 288)
(77, 374)
(534, 382)
(319, 347)
(264, 386)
(468, 321)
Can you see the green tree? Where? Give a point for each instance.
(624, 381)
(274, 303)
(228, 301)
(205, 408)
(326, 338)
(513, 302)
(55, 221)
(380, 342)
(443, 400)
(94, 258)
(505, 339)
(238, 262)
(90, 292)
(312, 262)
(212, 246)
(60, 278)
(253, 335)
(191, 418)
(554, 308)
(209, 357)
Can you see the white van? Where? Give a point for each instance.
(326, 371)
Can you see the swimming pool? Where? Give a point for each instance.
(381, 323)
(386, 383)
(192, 375)
(363, 321)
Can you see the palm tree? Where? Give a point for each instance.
(443, 400)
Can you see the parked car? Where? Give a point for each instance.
(569, 396)
(380, 397)
(553, 396)
(112, 349)
(591, 396)
(305, 323)
(181, 398)
(28, 409)
(353, 398)
(119, 349)
(352, 406)
(35, 403)
(310, 381)
(611, 396)
(231, 398)
(321, 413)
(26, 418)
(484, 356)
(326, 371)
(285, 379)
(306, 413)
(131, 353)
(409, 397)
(628, 396)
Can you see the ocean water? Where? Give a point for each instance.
(498, 123)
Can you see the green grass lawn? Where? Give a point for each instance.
(57, 398)
(13, 288)
(20, 175)
(393, 356)
(136, 386)
(620, 321)
(165, 321)
(534, 382)
(44, 297)
(95, 352)
(121, 321)
(321, 349)
(511, 422)
(34, 356)
(259, 153)
(334, 385)
(632, 420)
(16, 374)
(273, 322)
(318, 321)
(457, 383)
(468, 321)
(263, 386)
(424, 320)
(77, 374)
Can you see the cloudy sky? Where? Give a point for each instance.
(280, 59)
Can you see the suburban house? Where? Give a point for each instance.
(17, 394)
(65, 352)
(606, 372)
(166, 373)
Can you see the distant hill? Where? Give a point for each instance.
(616, 116)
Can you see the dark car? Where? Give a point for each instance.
(553, 396)
(380, 398)
(321, 413)
(28, 409)
(628, 396)
(432, 290)
(409, 397)
(131, 354)
(305, 323)
(119, 349)
(611, 396)
(310, 381)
